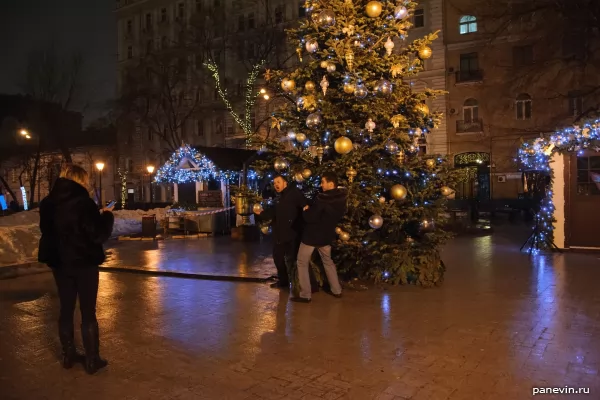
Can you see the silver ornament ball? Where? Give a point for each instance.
(376, 221)
(384, 88)
(326, 18)
(361, 91)
(313, 120)
(391, 147)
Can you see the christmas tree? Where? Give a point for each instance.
(349, 107)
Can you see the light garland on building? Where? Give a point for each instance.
(536, 155)
(203, 169)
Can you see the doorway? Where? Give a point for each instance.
(474, 182)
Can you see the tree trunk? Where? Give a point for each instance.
(33, 178)
(8, 189)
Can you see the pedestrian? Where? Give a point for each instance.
(286, 222)
(321, 219)
(73, 231)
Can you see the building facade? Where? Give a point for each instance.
(512, 74)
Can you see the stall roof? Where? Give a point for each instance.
(226, 158)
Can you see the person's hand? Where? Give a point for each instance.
(109, 208)
(305, 208)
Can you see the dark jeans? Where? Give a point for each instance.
(282, 253)
(73, 283)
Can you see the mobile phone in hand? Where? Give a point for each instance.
(111, 204)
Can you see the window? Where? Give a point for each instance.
(217, 3)
(13, 175)
(469, 62)
(219, 130)
(251, 21)
(230, 131)
(241, 23)
(522, 55)
(164, 42)
(278, 14)
(253, 120)
(470, 110)
(163, 15)
(198, 6)
(468, 24)
(523, 106)
(574, 44)
(129, 165)
(180, 10)
(200, 128)
(150, 135)
(129, 52)
(216, 94)
(148, 21)
(588, 175)
(419, 18)
(129, 27)
(575, 104)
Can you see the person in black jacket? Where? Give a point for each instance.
(287, 224)
(73, 230)
(321, 219)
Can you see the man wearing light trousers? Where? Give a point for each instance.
(321, 219)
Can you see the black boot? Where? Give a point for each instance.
(91, 343)
(67, 341)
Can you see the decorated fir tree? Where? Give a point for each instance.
(350, 108)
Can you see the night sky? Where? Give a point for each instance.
(87, 26)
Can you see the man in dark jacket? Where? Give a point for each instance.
(286, 223)
(73, 231)
(321, 219)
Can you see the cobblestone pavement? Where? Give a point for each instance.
(500, 325)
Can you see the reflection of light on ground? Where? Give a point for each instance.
(107, 309)
(385, 308)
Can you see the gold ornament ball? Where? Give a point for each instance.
(422, 108)
(374, 9)
(430, 163)
(398, 192)
(306, 173)
(257, 208)
(324, 64)
(298, 177)
(265, 230)
(425, 52)
(343, 145)
(280, 164)
(345, 236)
(349, 87)
(338, 230)
(300, 137)
(382, 200)
(288, 85)
(310, 86)
(331, 67)
(446, 191)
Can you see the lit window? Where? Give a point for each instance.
(523, 106)
(470, 110)
(468, 24)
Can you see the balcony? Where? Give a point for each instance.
(470, 75)
(472, 126)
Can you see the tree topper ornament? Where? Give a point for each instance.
(324, 85)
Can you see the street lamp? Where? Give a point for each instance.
(150, 169)
(100, 167)
(25, 134)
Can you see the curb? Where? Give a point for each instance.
(15, 271)
(186, 275)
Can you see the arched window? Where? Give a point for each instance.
(523, 106)
(470, 110)
(467, 24)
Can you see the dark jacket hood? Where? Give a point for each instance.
(334, 197)
(66, 189)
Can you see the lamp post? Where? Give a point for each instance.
(100, 167)
(150, 169)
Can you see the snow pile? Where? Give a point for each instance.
(20, 233)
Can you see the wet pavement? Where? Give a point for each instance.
(502, 324)
(207, 257)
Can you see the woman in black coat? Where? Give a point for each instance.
(73, 231)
